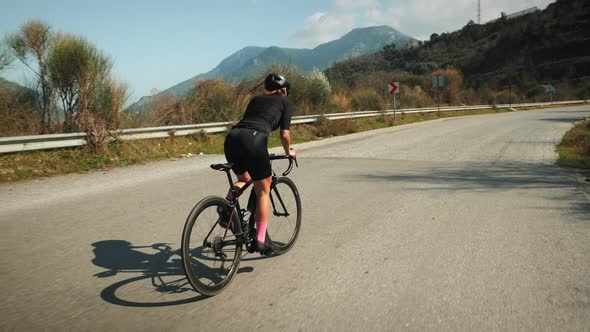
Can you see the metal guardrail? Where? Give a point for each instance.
(40, 142)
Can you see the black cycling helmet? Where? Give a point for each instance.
(276, 81)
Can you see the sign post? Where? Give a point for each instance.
(393, 88)
(438, 81)
(510, 95)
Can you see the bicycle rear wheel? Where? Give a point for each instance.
(284, 221)
(210, 253)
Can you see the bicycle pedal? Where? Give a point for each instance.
(250, 247)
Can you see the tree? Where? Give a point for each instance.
(79, 73)
(30, 46)
(6, 58)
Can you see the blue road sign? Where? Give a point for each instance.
(438, 81)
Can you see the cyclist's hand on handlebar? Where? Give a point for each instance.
(292, 153)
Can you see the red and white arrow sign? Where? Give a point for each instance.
(393, 87)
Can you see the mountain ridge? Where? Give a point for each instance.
(250, 61)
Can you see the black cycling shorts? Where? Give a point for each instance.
(247, 150)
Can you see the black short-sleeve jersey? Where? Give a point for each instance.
(267, 113)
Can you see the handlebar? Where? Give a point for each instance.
(291, 159)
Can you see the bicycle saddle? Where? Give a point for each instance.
(222, 167)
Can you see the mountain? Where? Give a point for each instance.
(251, 61)
(525, 51)
(6, 85)
(15, 92)
(231, 64)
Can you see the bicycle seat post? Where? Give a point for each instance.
(229, 179)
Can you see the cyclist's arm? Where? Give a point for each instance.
(286, 141)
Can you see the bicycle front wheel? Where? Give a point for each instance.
(211, 253)
(284, 223)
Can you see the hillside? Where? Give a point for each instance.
(8, 86)
(251, 61)
(18, 114)
(549, 45)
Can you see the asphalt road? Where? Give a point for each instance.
(453, 224)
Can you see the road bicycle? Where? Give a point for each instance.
(217, 230)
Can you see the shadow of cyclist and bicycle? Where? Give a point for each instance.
(163, 268)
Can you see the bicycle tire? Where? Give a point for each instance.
(284, 230)
(197, 255)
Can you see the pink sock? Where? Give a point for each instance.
(261, 227)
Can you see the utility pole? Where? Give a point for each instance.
(478, 11)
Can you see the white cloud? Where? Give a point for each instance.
(352, 4)
(320, 28)
(375, 16)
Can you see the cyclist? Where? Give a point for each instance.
(246, 147)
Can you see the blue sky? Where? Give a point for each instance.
(156, 44)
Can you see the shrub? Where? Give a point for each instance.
(318, 88)
(367, 100)
(340, 102)
(470, 97)
(453, 82)
(324, 127)
(213, 101)
(97, 134)
(415, 97)
(166, 111)
(505, 97)
(201, 136)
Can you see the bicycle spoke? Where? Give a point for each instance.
(210, 252)
(283, 226)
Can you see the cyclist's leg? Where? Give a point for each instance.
(225, 215)
(242, 180)
(262, 189)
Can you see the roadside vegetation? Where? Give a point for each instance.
(38, 164)
(574, 149)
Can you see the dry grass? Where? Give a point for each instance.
(341, 102)
(574, 149)
(414, 97)
(36, 164)
(368, 100)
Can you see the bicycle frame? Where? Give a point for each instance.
(272, 202)
(241, 238)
